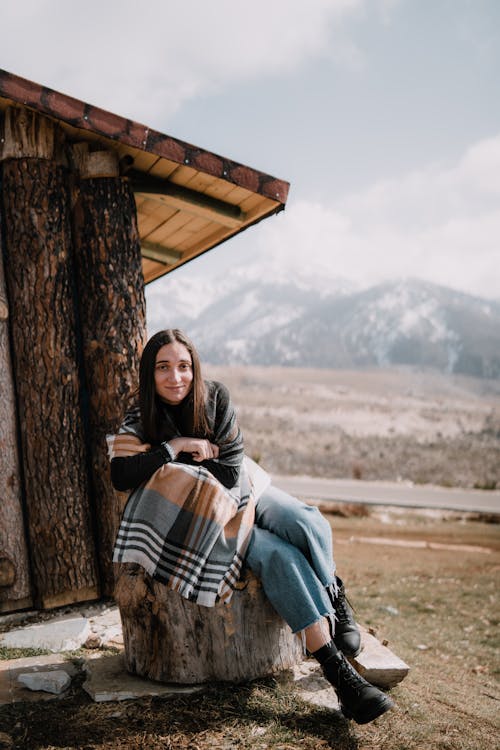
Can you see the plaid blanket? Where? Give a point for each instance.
(185, 528)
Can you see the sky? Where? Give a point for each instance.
(384, 115)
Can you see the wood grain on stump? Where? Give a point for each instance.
(170, 639)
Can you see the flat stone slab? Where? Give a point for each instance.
(108, 680)
(313, 687)
(377, 663)
(11, 690)
(66, 633)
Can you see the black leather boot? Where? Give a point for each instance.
(346, 636)
(358, 699)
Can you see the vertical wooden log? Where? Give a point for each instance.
(112, 312)
(15, 590)
(39, 282)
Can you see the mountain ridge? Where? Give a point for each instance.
(252, 320)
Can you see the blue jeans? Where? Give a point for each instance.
(291, 552)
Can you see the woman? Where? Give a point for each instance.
(184, 431)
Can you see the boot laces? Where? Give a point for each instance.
(349, 676)
(341, 608)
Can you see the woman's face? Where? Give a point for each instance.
(173, 372)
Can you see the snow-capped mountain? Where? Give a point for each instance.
(246, 302)
(245, 320)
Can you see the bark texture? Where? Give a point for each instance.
(40, 288)
(112, 318)
(170, 639)
(15, 590)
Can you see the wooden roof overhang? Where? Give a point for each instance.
(188, 200)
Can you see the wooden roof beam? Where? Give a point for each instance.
(166, 255)
(185, 199)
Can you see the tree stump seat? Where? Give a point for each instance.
(170, 639)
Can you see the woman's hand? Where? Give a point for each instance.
(133, 448)
(199, 448)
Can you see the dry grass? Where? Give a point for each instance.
(439, 610)
(417, 597)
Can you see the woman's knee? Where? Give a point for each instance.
(309, 522)
(297, 523)
(318, 522)
(278, 511)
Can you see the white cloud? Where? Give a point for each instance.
(439, 223)
(480, 167)
(144, 59)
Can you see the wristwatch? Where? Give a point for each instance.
(167, 448)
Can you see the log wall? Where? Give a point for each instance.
(15, 590)
(112, 318)
(40, 284)
(75, 290)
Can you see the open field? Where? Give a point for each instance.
(376, 424)
(439, 610)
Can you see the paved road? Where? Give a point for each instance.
(390, 493)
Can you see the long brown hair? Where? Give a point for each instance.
(148, 398)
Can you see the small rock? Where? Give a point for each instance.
(422, 647)
(258, 731)
(390, 610)
(93, 641)
(112, 637)
(49, 682)
(481, 669)
(116, 642)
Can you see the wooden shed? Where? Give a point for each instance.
(92, 207)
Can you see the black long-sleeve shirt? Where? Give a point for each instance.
(131, 471)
